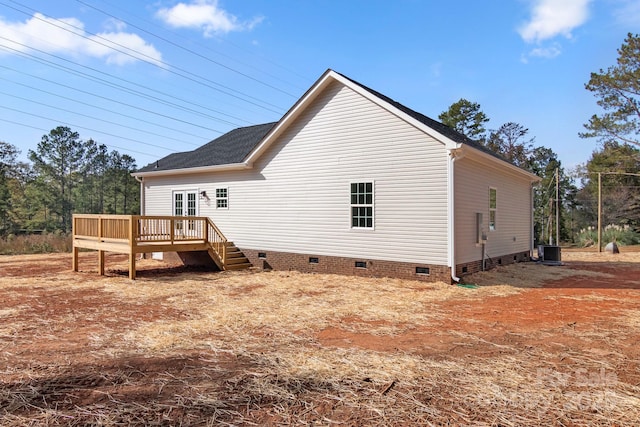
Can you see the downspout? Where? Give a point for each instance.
(142, 201)
(532, 224)
(451, 215)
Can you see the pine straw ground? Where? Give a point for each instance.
(184, 347)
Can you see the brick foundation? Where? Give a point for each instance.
(310, 263)
(475, 266)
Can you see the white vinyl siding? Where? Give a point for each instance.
(297, 196)
(512, 233)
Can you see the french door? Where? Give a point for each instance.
(185, 203)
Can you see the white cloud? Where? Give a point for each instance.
(67, 36)
(551, 18)
(113, 24)
(205, 15)
(546, 52)
(110, 47)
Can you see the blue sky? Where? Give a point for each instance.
(153, 77)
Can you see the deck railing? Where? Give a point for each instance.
(217, 240)
(138, 230)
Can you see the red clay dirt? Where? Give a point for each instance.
(548, 317)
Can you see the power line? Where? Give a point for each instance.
(112, 100)
(119, 87)
(101, 108)
(86, 128)
(94, 118)
(150, 60)
(189, 50)
(45, 130)
(209, 48)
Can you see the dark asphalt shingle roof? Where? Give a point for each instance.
(232, 147)
(235, 146)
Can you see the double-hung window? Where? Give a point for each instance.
(362, 204)
(222, 198)
(493, 207)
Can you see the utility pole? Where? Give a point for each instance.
(599, 211)
(557, 207)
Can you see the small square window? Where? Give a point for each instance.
(361, 264)
(262, 255)
(313, 260)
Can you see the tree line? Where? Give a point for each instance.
(617, 158)
(577, 195)
(66, 175)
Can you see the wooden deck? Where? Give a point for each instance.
(136, 234)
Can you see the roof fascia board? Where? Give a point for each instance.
(483, 157)
(189, 171)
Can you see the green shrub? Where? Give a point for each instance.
(623, 235)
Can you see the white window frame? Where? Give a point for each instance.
(224, 199)
(363, 205)
(493, 211)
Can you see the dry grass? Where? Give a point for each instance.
(35, 243)
(252, 355)
(628, 254)
(524, 275)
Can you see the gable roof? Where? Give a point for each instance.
(239, 148)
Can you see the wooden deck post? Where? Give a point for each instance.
(74, 260)
(101, 262)
(133, 235)
(132, 266)
(100, 252)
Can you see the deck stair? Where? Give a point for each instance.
(235, 260)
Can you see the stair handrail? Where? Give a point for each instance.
(217, 241)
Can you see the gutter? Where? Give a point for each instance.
(200, 169)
